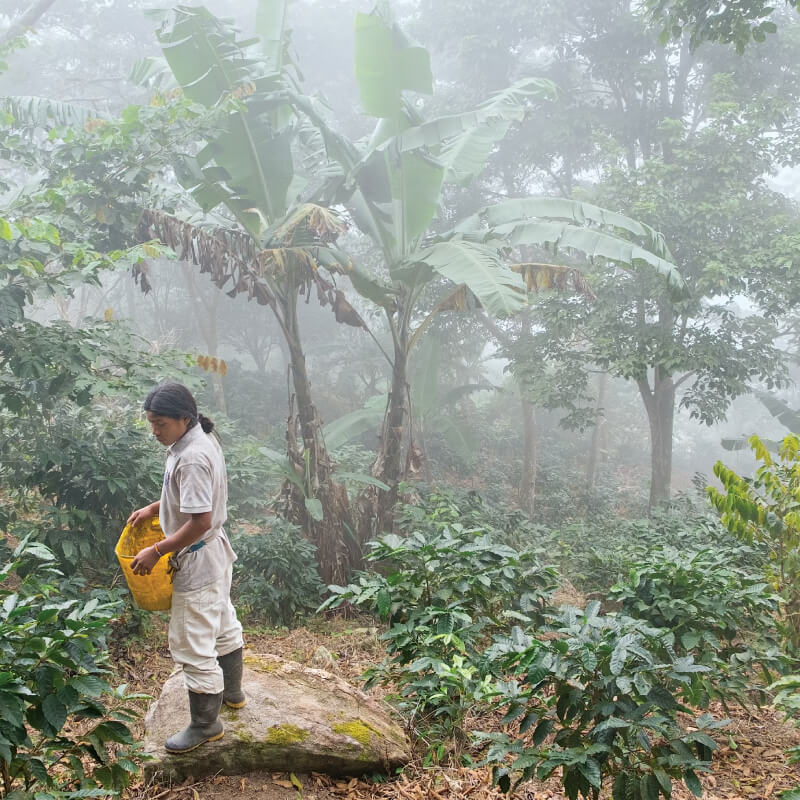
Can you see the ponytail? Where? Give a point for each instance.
(205, 423)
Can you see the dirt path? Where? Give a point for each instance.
(750, 763)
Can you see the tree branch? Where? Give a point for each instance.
(494, 329)
(26, 21)
(684, 378)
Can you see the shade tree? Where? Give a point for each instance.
(681, 139)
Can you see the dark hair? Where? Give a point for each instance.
(174, 400)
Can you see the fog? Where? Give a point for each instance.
(702, 146)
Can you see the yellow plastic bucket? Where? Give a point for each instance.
(151, 592)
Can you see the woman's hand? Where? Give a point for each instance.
(142, 514)
(144, 561)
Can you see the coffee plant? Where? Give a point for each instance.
(597, 702)
(597, 552)
(275, 577)
(444, 589)
(721, 615)
(62, 727)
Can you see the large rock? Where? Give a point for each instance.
(296, 719)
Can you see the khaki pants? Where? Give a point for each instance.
(202, 626)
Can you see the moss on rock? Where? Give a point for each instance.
(286, 734)
(261, 664)
(356, 729)
(243, 735)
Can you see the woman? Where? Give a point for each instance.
(205, 638)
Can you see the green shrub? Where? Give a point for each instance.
(94, 467)
(74, 449)
(764, 509)
(721, 615)
(508, 526)
(601, 688)
(595, 554)
(62, 727)
(253, 480)
(275, 578)
(444, 589)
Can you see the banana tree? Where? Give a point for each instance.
(393, 185)
(258, 236)
(431, 406)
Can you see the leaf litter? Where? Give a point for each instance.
(750, 763)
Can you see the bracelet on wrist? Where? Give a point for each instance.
(158, 552)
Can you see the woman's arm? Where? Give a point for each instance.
(144, 513)
(187, 534)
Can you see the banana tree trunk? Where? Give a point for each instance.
(390, 465)
(527, 484)
(338, 551)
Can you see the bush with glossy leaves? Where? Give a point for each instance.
(275, 577)
(597, 701)
(63, 728)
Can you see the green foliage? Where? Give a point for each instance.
(597, 552)
(64, 392)
(764, 509)
(602, 688)
(73, 442)
(720, 615)
(275, 578)
(716, 21)
(253, 480)
(444, 588)
(53, 674)
(787, 699)
(90, 182)
(439, 508)
(94, 467)
(247, 164)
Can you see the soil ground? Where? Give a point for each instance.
(750, 762)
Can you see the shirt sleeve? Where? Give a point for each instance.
(195, 484)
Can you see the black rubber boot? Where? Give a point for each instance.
(204, 727)
(231, 664)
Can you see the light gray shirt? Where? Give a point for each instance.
(196, 481)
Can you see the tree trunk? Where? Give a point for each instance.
(660, 405)
(27, 20)
(598, 432)
(338, 551)
(389, 465)
(527, 484)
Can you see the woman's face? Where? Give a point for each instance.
(166, 429)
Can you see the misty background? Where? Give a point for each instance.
(587, 143)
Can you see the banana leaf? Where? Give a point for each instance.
(349, 426)
(518, 210)
(500, 290)
(386, 65)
